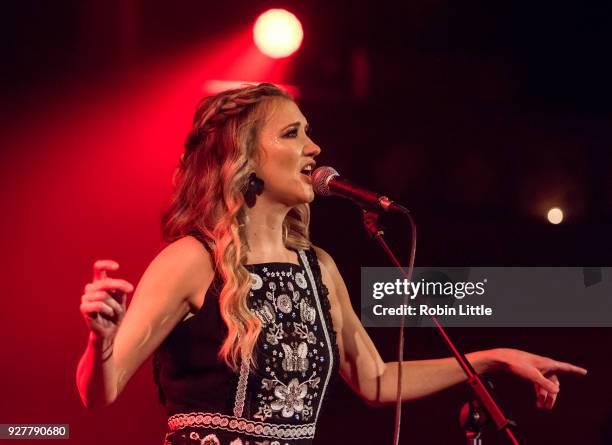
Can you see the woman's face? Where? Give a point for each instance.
(285, 151)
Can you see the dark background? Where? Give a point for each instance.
(477, 115)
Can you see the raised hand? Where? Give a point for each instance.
(103, 304)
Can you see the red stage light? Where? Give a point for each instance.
(278, 33)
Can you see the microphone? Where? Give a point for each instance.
(326, 181)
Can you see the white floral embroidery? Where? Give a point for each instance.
(210, 439)
(263, 412)
(308, 314)
(256, 281)
(266, 313)
(236, 441)
(241, 388)
(300, 280)
(307, 411)
(284, 303)
(267, 383)
(275, 333)
(295, 294)
(295, 358)
(240, 425)
(292, 320)
(290, 398)
(311, 338)
(301, 331)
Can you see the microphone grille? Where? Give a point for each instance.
(320, 180)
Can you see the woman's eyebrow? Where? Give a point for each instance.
(296, 123)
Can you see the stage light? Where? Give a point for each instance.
(278, 33)
(555, 215)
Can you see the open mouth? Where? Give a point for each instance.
(307, 171)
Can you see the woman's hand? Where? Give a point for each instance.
(103, 304)
(542, 371)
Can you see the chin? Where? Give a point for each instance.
(309, 198)
(304, 196)
(304, 200)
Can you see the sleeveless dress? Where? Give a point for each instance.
(280, 401)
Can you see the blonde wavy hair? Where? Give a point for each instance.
(220, 153)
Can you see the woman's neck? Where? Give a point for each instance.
(264, 233)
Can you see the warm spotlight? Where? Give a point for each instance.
(278, 33)
(555, 215)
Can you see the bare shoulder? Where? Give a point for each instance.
(188, 259)
(324, 258)
(187, 251)
(178, 275)
(329, 270)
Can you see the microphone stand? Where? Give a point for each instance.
(483, 410)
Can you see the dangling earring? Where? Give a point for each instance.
(254, 187)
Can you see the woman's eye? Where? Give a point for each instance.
(291, 133)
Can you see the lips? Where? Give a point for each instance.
(306, 176)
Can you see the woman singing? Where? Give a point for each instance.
(247, 320)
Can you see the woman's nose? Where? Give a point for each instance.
(312, 149)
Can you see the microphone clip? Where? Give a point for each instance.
(370, 221)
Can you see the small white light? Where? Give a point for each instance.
(555, 215)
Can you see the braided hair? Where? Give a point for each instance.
(221, 150)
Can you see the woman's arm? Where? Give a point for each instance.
(160, 301)
(95, 375)
(376, 381)
(421, 378)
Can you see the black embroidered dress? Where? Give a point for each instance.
(297, 356)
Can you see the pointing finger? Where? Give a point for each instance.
(568, 367)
